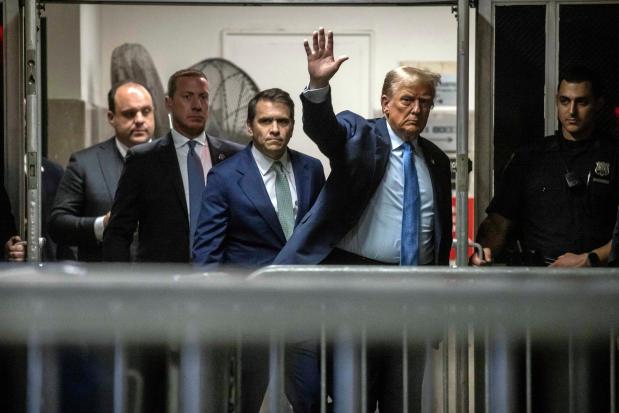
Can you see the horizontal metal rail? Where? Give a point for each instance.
(151, 302)
(353, 308)
(266, 2)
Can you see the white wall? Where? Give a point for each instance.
(74, 52)
(179, 36)
(90, 49)
(63, 52)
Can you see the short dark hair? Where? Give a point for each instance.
(271, 95)
(183, 73)
(111, 95)
(579, 74)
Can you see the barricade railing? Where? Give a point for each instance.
(196, 314)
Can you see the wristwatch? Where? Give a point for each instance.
(594, 259)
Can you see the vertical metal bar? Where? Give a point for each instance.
(551, 67)
(445, 354)
(405, 369)
(173, 390)
(191, 376)
(345, 372)
(35, 374)
(571, 385)
(462, 369)
(502, 380)
(613, 369)
(487, 369)
(51, 380)
(276, 372)
(323, 363)
(462, 138)
(238, 379)
(119, 376)
(33, 131)
(13, 106)
(484, 110)
(529, 371)
(472, 368)
(364, 369)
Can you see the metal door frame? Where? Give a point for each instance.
(29, 133)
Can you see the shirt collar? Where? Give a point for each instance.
(264, 162)
(122, 148)
(397, 142)
(180, 140)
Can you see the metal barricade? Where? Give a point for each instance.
(347, 310)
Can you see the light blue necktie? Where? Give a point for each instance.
(411, 210)
(195, 176)
(285, 213)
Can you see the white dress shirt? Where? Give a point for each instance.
(268, 175)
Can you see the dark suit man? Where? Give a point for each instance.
(239, 221)
(156, 189)
(159, 188)
(78, 217)
(84, 198)
(387, 200)
(250, 207)
(360, 150)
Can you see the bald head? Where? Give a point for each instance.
(131, 113)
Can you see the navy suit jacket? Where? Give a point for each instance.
(85, 192)
(238, 224)
(359, 151)
(150, 192)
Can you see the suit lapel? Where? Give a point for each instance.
(252, 185)
(383, 149)
(111, 165)
(301, 178)
(214, 149)
(170, 166)
(432, 167)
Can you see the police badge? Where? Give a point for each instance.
(602, 168)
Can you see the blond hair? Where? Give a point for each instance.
(408, 75)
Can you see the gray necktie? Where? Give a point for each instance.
(195, 178)
(285, 214)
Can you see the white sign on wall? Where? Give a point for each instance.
(441, 128)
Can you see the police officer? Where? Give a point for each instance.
(559, 195)
(559, 198)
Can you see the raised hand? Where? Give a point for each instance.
(321, 65)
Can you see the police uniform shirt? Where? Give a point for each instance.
(551, 215)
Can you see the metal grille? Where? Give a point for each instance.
(519, 80)
(588, 36)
